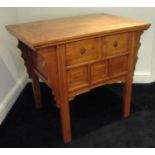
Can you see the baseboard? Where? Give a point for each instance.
(11, 97)
(142, 77)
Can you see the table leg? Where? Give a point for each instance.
(65, 121)
(127, 98)
(36, 91)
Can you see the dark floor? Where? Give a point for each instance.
(96, 120)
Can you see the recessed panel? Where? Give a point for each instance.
(99, 71)
(115, 44)
(77, 77)
(82, 51)
(39, 63)
(119, 65)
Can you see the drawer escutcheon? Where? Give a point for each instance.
(115, 44)
(82, 51)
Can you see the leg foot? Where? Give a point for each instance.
(127, 99)
(65, 122)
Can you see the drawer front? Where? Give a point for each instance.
(118, 65)
(99, 71)
(115, 44)
(77, 77)
(82, 51)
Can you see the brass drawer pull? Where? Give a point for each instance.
(82, 51)
(115, 44)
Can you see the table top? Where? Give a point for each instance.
(54, 31)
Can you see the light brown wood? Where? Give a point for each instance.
(43, 33)
(63, 96)
(76, 54)
(36, 90)
(82, 51)
(115, 44)
(118, 65)
(99, 71)
(77, 77)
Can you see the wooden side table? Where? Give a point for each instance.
(76, 54)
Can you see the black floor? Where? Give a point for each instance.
(96, 120)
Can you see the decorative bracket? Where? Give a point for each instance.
(26, 57)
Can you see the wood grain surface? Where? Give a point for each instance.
(54, 31)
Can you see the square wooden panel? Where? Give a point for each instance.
(118, 65)
(99, 71)
(39, 63)
(77, 77)
(115, 44)
(82, 51)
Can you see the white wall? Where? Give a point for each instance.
(12, 71)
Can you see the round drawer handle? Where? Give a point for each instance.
(115, 44)
(82, 51)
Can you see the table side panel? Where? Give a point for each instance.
(46, 67)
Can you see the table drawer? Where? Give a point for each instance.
(82, 51)
(115, 44)
(118, 65)
(77, 77)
